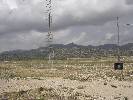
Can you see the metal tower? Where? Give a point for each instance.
(119, 64)
(118, 40)
(49, 35)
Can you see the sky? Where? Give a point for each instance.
(24, 23)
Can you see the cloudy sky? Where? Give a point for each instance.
(24, 24)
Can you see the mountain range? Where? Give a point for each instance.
(71, 50)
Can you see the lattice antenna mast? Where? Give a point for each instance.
(118, 40)
(49, 11)
(50, 35)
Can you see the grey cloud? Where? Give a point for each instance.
(80, 21)
(130, 2)
(90, 12)
(67, 13)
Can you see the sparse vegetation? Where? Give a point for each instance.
(82, 70)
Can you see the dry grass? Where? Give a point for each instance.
(80, 70)
(75, 70)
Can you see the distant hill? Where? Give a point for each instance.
(69, 50)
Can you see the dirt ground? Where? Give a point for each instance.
(66, 80)
(93, 90)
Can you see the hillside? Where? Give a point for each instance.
(69, 50)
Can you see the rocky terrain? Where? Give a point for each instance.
(65, 80)
(64, 89)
